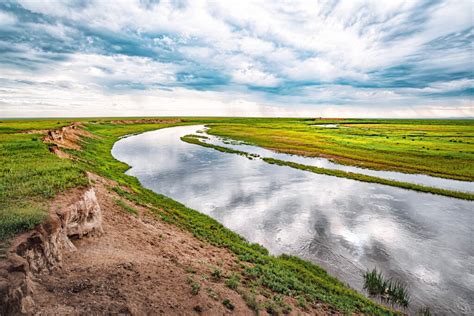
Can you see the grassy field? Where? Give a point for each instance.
(442, 148)
(31, 176)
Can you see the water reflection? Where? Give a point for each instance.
(442, 183)
(344, 225)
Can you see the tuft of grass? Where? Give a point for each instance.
(228, 304)
(212, 294)
(233, 282)
(391, 291)
(216, 274)
(301, 301)
(127, 208)
(251, 301)
(195, 286)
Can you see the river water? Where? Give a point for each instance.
(343, 225)
(442, 183)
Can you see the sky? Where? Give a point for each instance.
(303, 58)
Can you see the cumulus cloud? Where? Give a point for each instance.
(305, 57)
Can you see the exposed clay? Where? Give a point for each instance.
(42, 249)
(70, 136)
(67, 136)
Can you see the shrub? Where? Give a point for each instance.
(233, 282)
(216, 274)
(228, 304)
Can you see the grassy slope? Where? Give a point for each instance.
(442, 148)
(31, 176)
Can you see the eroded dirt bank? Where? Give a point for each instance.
(41, 250)
(92, 257)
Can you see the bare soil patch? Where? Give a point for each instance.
(140, 265)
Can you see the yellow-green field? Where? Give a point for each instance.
(442, 148)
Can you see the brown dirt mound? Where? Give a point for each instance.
(67, 136)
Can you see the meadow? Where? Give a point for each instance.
(441, 148)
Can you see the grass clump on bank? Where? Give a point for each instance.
(126, 207)
(388, 290)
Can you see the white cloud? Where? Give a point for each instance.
(250, 75)
(250, 43)
(7, 19)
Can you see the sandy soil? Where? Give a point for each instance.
(140, 265)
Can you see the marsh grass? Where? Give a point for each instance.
(440, 148)
(388, 290)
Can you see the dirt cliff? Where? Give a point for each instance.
(42, 249)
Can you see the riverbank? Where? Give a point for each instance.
(249, 278)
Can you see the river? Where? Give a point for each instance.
(343, 225)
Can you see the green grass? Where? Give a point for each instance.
(127, 208)
(391, 291)
(30, 176)
(228, 304)
(233, 282)
(442, 148)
